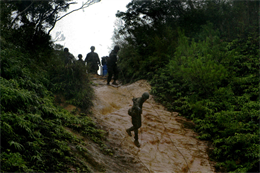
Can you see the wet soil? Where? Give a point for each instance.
(166, 144)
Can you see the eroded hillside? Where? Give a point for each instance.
(166, 145)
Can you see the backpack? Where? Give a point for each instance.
(135, 109)
(104, 60)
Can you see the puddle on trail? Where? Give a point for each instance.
(165, 145)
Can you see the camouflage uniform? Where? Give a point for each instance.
(135, 112)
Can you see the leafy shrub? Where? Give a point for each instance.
(34, 138)
(216, 84)
(197, 66)
(143, 61)
(73, 83)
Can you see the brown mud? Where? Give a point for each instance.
(166, 144)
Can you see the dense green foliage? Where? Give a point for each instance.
(217, 87)
(33, 135)
(72, 82)
(33, 129)
(202, 60)
(36, 134)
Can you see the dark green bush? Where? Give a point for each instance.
(217, 86)
(33, 134)
(72, 82)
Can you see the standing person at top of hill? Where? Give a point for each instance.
(92, 60)
(80, 60)
(68, 57)
(112, 65)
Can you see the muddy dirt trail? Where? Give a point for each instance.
(166, 146)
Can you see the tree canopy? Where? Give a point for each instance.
(34, 19)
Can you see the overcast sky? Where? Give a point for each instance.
(92, 27)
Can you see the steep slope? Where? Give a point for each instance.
(166, 146)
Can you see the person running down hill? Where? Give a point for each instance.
(135, 112)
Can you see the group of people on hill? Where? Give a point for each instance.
(109, 63)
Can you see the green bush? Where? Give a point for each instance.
(143, 61)
(197, 65)
(73, 83)
(216, 85)
(33, 134)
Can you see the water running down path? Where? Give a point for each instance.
(166, 146)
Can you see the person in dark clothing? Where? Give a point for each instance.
(112, 65)
(80, 60)
(135, 112)
(92, 60)
(68, 57)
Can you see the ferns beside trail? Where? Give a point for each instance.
(33, 134)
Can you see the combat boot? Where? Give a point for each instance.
(137, 143)
(128, 132)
